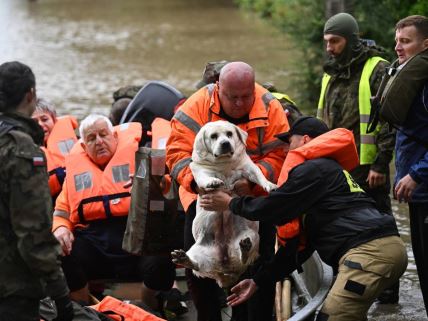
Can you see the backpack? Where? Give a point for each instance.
(403, 84)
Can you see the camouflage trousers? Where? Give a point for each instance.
(364, 272)
(16, 308)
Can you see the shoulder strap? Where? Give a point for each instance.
(5, 127)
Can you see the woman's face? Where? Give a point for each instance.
(45, 120)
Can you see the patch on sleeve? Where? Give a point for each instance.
(355, 287)
(38, 161)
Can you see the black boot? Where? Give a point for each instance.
(390, 295)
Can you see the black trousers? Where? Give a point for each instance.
(204, 290)
(418, 213)
(97, 254)
(19, 309)
(379, 194)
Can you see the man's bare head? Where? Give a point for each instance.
(236, 89)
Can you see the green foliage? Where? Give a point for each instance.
(304, 20)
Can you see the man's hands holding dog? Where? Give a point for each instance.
(217, 200)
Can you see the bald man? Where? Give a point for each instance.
(238, 99)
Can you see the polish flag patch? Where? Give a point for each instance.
(38, 161)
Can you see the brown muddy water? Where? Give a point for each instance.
(81, 51)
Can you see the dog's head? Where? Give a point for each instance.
(218, 141)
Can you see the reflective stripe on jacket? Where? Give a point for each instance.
(337, 144)
(368, 148)
(93, 193)
(266, 119)
(60, 141)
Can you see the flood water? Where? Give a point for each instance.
(81, 51)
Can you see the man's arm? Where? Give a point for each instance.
(418, 174)
(385, 139)
(304, 187)
(283, 264)
(31, 215)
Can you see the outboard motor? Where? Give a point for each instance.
(155, 99)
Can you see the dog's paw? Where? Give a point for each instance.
(181, 258)
(270, 187)
(215, 183)
(245, 245)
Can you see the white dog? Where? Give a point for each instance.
(225, 243)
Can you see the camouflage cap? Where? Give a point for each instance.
(126, 92)
(211, 73)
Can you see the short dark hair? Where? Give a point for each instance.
(117, 110)
(16, 79)
(419, 22)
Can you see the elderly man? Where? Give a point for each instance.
(29, 264)
(411, 179)
(340, 222)
(238, 99)
(91, 213)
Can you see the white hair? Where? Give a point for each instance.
(90, 120)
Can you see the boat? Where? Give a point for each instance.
(309, 288)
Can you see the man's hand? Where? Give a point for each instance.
(375, 179)
(64, 309)
(129, 183)
(404, 189)
(58, 291)
(242, 187)
(242, 292)
(66, 238)
(216, 200)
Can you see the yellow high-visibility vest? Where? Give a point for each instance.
(368, 148)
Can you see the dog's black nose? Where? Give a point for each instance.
(225, 147)
(225, 144)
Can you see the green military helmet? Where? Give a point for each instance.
(211, 73)
(126, 92)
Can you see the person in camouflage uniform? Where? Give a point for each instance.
(351, 65)
(29, 260)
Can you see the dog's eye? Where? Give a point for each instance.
(229, 134)
(213, 136)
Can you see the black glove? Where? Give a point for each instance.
(64, 309)
(58, 291)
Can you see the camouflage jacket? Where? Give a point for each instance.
(341, 106)
(29, 255)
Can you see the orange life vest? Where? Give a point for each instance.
(121, 311)
(266, 119)
(338, 144)
(94, 193)
(60, 141)
(161, 130)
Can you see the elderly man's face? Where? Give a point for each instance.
(100, 143)
(408, 43)
(334, 44)
(236, 97)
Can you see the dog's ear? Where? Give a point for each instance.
(200, 146)
(242, 135)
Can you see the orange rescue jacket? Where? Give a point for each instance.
(338, 144)
(266, 119)
(121, 311)
(60, 141)
(93, 193)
